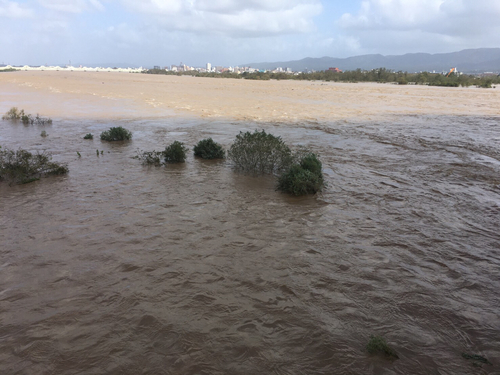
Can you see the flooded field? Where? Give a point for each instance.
(118, 268)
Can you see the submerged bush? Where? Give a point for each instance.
(116, 134)
(13, 114)
(27, 119)
(43, 133)
(88, 136)
(37, 120)
(208, 149)
(22, 166)
(378, 345)
(175, 153)
(259, 152)
(478, 359)
(303, 177)
(311, 163)
(151, 157)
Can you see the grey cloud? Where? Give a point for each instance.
(231, 18)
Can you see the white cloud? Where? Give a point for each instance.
(10, 9)
(232, 18)
(71, 6)
(440, 16)
(392, 14)
(235, 6)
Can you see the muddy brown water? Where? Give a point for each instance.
(118, 268)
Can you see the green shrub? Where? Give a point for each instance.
(151, 157)
(13, 114)
(116, 134)
(303, 177)
(208, 149)
(175, 153)
(27, 119)
(259, 152)
(310, 162)
(88, 136)
(378, 345)
(43, 133)
(22, 166)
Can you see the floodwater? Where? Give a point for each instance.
(118, 268)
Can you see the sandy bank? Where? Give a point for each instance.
(112, 95)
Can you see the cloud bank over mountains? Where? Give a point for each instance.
(229, 32)
(433, 23)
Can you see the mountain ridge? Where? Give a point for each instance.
(476, 60)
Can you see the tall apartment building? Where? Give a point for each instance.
(209, 67)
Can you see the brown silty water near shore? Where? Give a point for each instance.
(118, 268)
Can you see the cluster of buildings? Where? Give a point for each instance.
(221, 69)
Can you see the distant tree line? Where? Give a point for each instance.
(381, 75)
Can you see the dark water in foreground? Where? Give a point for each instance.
(196, 269)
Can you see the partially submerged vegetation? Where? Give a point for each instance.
(116, 134)
(208, 149)
(22, 166)
(255, 152)
(259, 152)
(478, 360)
(175, 153)
(303, 177)
(151, 157)
(14, 114)
(378, 346)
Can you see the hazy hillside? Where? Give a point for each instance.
(469, 60)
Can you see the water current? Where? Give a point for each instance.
(118, 268)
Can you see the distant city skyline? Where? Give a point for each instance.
(234, 33)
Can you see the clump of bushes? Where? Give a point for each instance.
(175, 153)
(303, 177)
(116, 134)
(27, 119)
(378, 345)
(208, 149)
(259, 152)
(22, 166)
(88, 136)
(43, 133)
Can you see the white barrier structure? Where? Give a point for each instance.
(72, 69)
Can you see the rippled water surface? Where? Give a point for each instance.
(118, 268)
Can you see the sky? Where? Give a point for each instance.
(230, 32)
